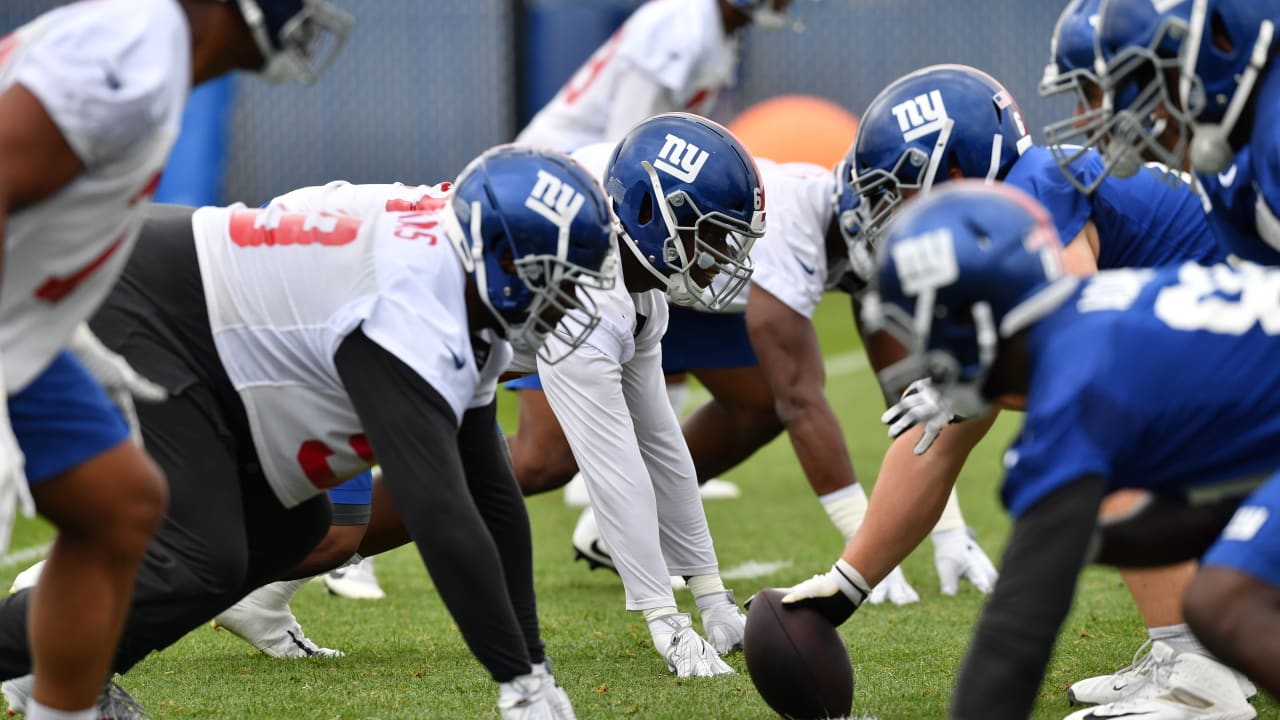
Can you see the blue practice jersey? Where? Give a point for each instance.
(1142, 221)
(1245, 197)
(1160, 379)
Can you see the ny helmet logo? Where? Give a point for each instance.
(682, 160)
(554, 199)
(921, 115)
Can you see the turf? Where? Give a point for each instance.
(405, 658)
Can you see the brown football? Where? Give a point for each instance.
(797, 659)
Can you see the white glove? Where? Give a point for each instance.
(835, 594)
(894, 588)
(921, 403)
(14, 493)
(116, 376)
(956, 555)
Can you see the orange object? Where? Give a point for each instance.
(797, 128)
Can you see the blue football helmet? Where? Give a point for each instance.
(690, 204)
(1137, 53)
(847, 205)
(926, 124)
(1228, 44)
(961, 269)
(1071, 70)
(298, 38)
(533, 229)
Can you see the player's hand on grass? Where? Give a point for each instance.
(835, 594)
(15, 496)
(956, 555)
(921, 404)
(894, 588)
(122, 383)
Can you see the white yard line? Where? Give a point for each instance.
(846, 363)
(24, 556)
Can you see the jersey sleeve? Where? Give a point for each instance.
(108, 76)
(1036, 174)
(791, 259)
(668, 41)
(363, 200)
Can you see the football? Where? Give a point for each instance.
(797, 659)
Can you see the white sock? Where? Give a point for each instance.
(951, 518)
(36, 711)
(1179, 638)
(846, 507)
(706, 586)
(678, 395)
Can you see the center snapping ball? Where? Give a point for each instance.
(797, 659)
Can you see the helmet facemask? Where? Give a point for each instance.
(546, 293)
(883, 191)
(306, 44)
(1072, 137)
(719, 242)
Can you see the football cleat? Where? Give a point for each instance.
(1132, 681)
(575, 492)
(1177, 686)
(717, 489)
(560, 704)
(357, 582)
(27, 578)
(113, 704)
(722, 621)
(534, 697)
(263, 619)
(588, 545)
(687, 653)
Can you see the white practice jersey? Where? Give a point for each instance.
(284, 289)
(493, 353)
(113, 75)
(791, 259)
(679, 44)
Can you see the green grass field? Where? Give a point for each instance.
(405, 659)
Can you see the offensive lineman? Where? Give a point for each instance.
(91, 96)
(281, 385)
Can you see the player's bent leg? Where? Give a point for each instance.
(540, 454)
(106, 510)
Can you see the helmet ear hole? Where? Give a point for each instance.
(1220, 35)
(645, 215)
(506, 258)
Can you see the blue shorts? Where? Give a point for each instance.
(528, 382)
(702, 340)
(63, 419)
(1250, 542)
(356, 491)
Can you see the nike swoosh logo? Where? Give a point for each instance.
(599, 550)
(1095, 716)
(458, 362)
(803, 266)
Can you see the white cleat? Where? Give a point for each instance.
(722, 621)
(357, 582)
(575, 492)
(17, 692)
(588, 545)
(1178, 686)
(264, 621)
(1132, 681)
(535, 696)
(717, 489)
(687, 653)
(27, 578)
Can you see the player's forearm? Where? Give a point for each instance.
(1001, 674)
(909, 496)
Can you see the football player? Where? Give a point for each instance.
(91, 98)
(670, 55)
(300, 348)
(971, 279)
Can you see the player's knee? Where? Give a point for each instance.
(542, 469)
(134, 509)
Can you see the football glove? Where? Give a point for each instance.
(894, 588)
(956, 555)
(921, 403)
(835, 594)
(122, 383)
